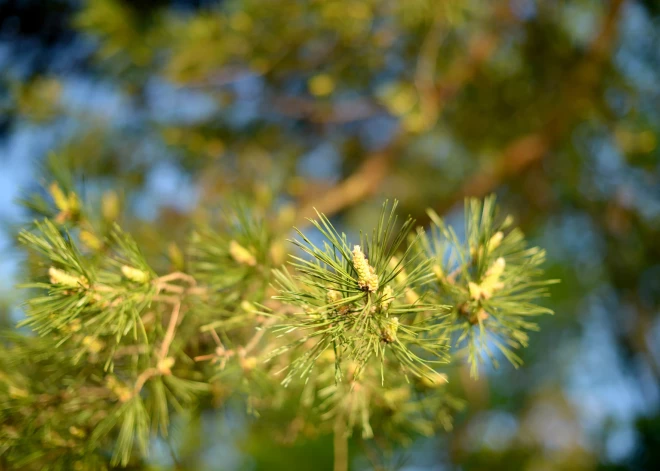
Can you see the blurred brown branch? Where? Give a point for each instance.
(335, 113)
(362, 183)
(519, 155)
(375, 168)
(527, 150)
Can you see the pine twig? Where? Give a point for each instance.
(340, 442)
(171, 330)
(145, 376)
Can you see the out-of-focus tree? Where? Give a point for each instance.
(163, 111)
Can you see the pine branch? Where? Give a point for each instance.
(366, 325)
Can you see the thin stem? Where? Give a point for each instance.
(451, 278)
(258, 335)
(131, 350)
(216, 338)
(208, 356)
(171, 329)
(175, 276)
(171, 288)
(143, 378)
(340, 444)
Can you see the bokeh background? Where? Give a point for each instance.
(173, 105)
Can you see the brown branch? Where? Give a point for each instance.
(516, 157)
(370, 175)
(176, 276)
(131, 350)
(145, 376)
(364, 182)
(171, 330)
(256, 338)
(340, 444)
(527, 150)
(223, 77)
(324, 113)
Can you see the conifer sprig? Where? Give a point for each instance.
(122, 319)
(349, 301)
(492, 279)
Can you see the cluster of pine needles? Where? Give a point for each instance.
(356, 332)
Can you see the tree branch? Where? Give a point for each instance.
(531, 148)
(375, 168)
(171, 330)
(340, 444)
(364, 182)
